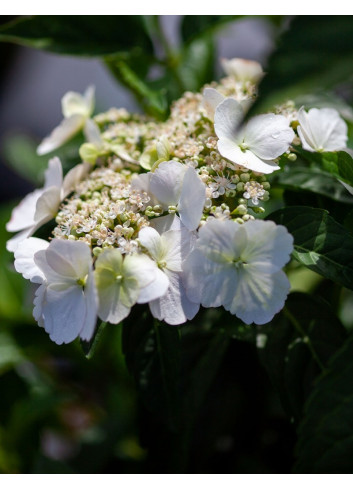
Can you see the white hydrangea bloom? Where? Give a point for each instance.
(238, 266)
(322, 130)
(66, 302)
(175, 184)
(77, 109)
(123, 282)
(169, 250)
(41, 205)
(243, 70)
(258, 143)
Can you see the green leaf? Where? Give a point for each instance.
(320, 243)
(325, 443)
(300, 341)
(339, 164)
(193, 26)
(301, 178)
(82, 35)
(197, 63)
(315, 52)
(154, 101)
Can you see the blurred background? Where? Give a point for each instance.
(63, 413)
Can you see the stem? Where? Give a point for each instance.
(305, 337)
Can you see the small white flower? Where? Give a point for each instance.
(122, 282)
(41, 205)
(77, 109)
(243, 69)
(254, 191)
(258, 143)
(66, 303)
(169, 250)
(239, 266)
(175, 184)
(322, 130)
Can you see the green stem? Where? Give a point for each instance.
(171, 59)
(304, 336)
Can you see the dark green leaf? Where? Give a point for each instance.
(325, 442)
(300, 341)
(320, 243)
(301, 178)
(82, 35)
(197, 63)
(152, 100)
(193, 26)
(339, 164)
(316, 52)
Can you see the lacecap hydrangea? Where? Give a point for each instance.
(164, 213)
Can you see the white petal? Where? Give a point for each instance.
(222, 241)
(141, 268)
(73, 177)
(74, 103)
(230, 150)
(192, 200)
(155, 289)
(24, 259)
(322, 130)
(166, 223)
(48, 204)
(64, 313)
(151, 240)
(116, 297)
(178, 244)
(13, 243)
(268, 135)
(258, 298)
(243, 69)
(54, 173)
(22, 216)
(70, 259)
(268, 246)
(174, 307)
(91, 304)
(89, 97)
(62, 133)
(211, 99)
(166, 182)
(209, 283)
(39, 302)
(92, 133)
(228, 117)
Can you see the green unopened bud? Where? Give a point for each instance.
(292, 157)
(241, 209)
(244, 177)
(89, 153)
(240, 187)
(97, 251)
